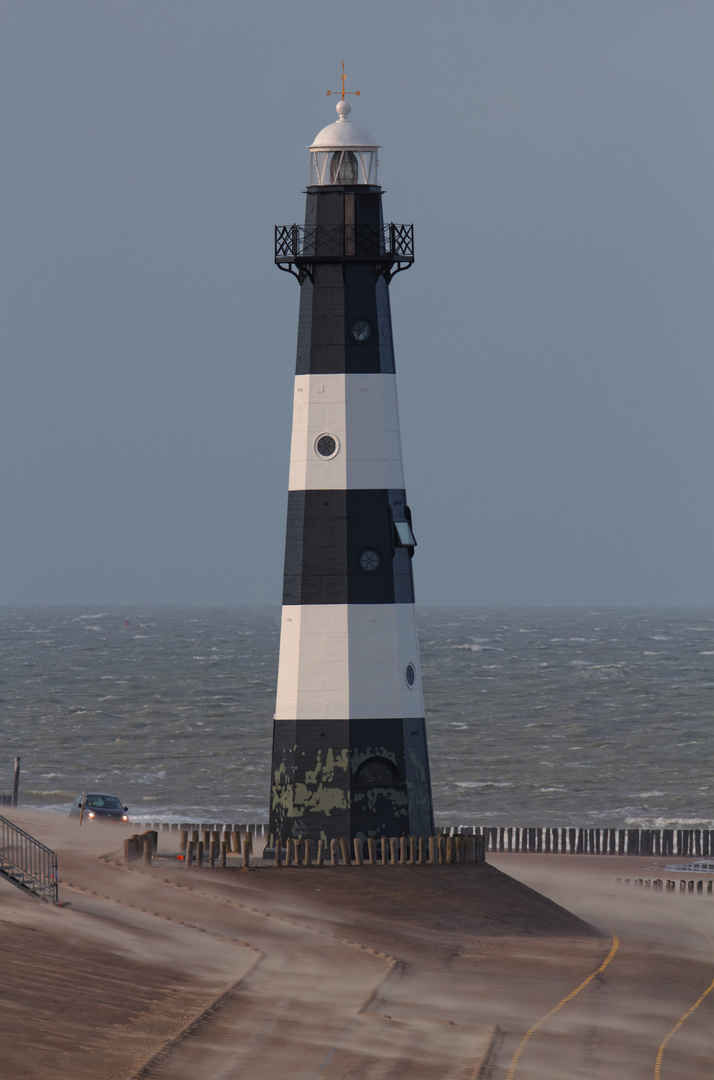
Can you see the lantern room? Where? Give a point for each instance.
(343, 153)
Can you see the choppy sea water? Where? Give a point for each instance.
(535, 717)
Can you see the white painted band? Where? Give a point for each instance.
(342, 661)
(362, 412)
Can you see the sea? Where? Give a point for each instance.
(536, 716)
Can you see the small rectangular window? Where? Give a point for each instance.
(405, 536)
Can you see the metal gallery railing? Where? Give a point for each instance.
(390, 246)
(27, 863)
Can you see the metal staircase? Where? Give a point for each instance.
(26, 863)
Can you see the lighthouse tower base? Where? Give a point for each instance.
(354, 778)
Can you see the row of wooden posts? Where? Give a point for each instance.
(694, 888)
(587, 841)
(141, 847)
(196, 847)
(550, 840)
(385, 851)
(257, 831)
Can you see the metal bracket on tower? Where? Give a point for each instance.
(288, 251)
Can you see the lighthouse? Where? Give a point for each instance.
(349, 752)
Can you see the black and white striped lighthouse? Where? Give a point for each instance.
(349, 741)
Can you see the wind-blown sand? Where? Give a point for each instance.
(378, 972)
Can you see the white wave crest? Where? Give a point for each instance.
(483, 783)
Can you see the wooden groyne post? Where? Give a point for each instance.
(16, 782)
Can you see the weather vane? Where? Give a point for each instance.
(342, 92)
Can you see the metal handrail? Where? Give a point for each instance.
(294, 243)
(26, 862)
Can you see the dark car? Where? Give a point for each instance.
(100, 808)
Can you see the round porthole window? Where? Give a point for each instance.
(410, 675)
(361, 330)
(326, 445)
(369, 561)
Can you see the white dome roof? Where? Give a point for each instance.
(344, 133)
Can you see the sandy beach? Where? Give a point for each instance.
(384, 972)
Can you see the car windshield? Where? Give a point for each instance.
(106, 802)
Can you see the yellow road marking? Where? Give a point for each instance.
(676, 1028)
(688, 1013)
(553, 1011)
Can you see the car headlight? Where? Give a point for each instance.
(125, 817)
(90, 813)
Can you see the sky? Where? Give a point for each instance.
(553, 339)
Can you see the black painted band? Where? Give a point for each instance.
(385, 789)
(340, 549)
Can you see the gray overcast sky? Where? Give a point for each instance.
(554, 338)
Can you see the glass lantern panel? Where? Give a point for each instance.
(319, 160)
(368, 166)
(343, 167)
